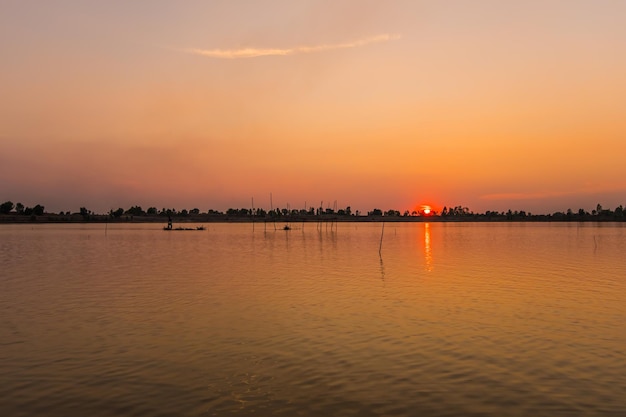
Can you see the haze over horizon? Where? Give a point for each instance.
(391, 105)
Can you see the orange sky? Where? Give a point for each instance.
(491, 105)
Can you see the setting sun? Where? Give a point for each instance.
(426, 210)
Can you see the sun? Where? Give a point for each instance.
(426, 210)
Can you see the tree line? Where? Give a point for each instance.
(447, 213)
(8, 206)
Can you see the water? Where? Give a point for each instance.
(467, 319)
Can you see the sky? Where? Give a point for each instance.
(491, 105)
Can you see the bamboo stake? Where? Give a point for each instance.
(380, 248)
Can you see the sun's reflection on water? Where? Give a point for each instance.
(428, 255)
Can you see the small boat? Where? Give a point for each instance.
(287, 227)
(169, 228)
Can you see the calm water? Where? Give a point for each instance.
(452, 320)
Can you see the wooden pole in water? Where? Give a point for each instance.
(380, 248)
(272, 210)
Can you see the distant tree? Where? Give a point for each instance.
(19, 208)
(375, 212)
(348, 211)
(194, 211)
(135, 211)
(84, 212)
(118, 213)
(6, 207)
(38, 210)
(152, 211)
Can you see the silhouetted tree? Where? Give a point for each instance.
(135, 211)
(19, 208)
(375, 212)
(152, 211)
(6, 207)
(38, 210)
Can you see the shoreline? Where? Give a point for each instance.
(77, 218)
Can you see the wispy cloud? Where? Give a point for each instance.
(525, 196)
(589, 189)
(258, 52)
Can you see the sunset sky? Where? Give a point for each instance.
(373, 104)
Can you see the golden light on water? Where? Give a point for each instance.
(428, 255)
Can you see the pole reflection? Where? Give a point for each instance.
(428, 255)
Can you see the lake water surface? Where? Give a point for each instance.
(466, 319)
